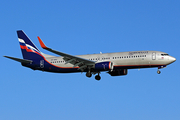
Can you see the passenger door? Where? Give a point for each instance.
(153, 56)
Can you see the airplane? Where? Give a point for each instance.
(116, 64)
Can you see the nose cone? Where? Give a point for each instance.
(172, 59)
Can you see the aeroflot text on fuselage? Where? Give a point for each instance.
(116, 64)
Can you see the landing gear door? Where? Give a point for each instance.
(153, 56)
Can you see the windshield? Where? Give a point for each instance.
(164, 54)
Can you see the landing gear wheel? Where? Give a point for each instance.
(158, 71)
(97, 77)
(88, 74)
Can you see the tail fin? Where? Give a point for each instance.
(29, 50)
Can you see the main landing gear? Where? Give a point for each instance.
(98, 77)
(89, 74)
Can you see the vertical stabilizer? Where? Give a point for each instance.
(29, 50)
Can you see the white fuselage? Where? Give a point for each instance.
(129, 60)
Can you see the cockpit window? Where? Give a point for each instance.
(164, 54)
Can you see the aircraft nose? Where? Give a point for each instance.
(172, 59)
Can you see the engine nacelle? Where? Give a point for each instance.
(118, 72)
(103, 66)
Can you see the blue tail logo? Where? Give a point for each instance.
(29, 50)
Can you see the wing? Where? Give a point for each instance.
(76, 61)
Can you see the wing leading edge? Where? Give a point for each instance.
(76, 61)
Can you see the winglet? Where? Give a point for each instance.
(41, 43)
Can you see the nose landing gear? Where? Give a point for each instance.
(158, 71)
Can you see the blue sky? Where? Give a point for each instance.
(85, 27)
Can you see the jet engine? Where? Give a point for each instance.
(103, 66)
(118, 72)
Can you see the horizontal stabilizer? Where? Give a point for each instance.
(19, 60)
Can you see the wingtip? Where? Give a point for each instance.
(41, 43)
